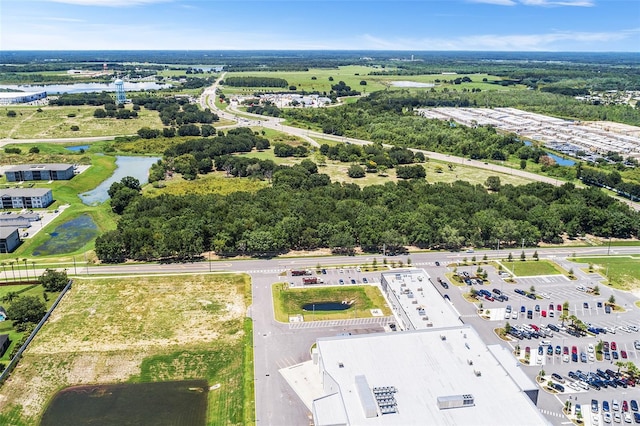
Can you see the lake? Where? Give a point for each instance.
(137, 167)
(56, 89)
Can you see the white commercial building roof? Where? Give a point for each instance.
(419, 366)
(415, 301)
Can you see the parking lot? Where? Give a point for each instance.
(614, 328)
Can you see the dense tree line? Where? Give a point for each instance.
(612, 180)
(341, 89)
(95, 99)
(374, 154)
(305, 210)
(250, 81)
(200, 155)
(268, 108)
(176, 111)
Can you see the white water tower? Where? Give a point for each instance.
(121, 97)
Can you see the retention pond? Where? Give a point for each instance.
(182, 403)
(326, 306)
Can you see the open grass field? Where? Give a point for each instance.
(54, 122)
(212, 183)
(531, 268)
(623, 271)
(140, 329)
(352, 75)
(289, 301)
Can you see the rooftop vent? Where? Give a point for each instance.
(455, 401)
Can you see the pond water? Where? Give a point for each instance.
(137, 167)
(411, 84)
(68, 237)
(326, 306)
(56, 89)
(559, 160)
(77, 148)
(182, 403)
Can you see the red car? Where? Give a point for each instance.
(544, 314)
(625, 406)
(559, 307)
(614, 347)
(574, 349)
(535, 327)
(565, 350)
(623, 354)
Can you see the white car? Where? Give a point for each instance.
(545, 295)
(615, 405)
(627, 417)
(565, 358)
(633, 327)
(607, 417)
(592, 358)
(616, 417)
(514, 315)
(581, 288)
(595, 419)
(590, 348)
(610, 330)
(624, 328)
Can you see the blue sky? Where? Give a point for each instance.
(505, 25)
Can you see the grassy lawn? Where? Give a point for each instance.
(141, 329)
(6, 327)
(530, 268)
(55, 122)
(352, 75)
(289, 301)
(623, 271)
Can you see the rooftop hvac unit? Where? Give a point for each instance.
(455, 401)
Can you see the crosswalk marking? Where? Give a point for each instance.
(551, 413)
(336, 323)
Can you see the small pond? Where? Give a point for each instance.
(137, 167)
(182, 403)
(68, 237)
(559, 160)
(77, 148)
(326, 306)
(411, 84)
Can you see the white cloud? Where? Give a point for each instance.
(579, 3)
(555, 41)
(110, 3)
(496, 2)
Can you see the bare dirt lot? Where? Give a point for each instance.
(104, 329)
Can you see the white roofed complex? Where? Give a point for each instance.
(406, 373)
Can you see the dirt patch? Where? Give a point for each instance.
(103, 329)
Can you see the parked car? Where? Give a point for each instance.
(634, 405)
(558, 350)
(366, 281)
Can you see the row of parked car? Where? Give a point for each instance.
(615, 411)
(601, 379)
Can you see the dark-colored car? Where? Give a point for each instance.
(634, 405)
(537, 308)
(519, 291)
(523, 309)
(605, 406)
(554, 327)
(437, 263)
(607, 309)
(557, 378)
(614, 354)
(531, 296)
(558, 350)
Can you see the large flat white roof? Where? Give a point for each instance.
(419, 299)
(423, 365)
